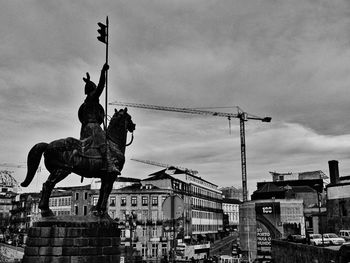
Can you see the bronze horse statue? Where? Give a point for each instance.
(70, 155)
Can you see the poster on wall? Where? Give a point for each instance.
(268, 215)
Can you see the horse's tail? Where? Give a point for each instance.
(33, 161)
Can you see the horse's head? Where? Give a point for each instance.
(129, 125)
(120, 123)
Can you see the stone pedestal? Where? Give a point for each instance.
(73, 239)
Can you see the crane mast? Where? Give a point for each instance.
(241, 115)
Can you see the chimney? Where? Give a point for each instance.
(333, 171)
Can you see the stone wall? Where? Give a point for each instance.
(287, 252)
(73, 239)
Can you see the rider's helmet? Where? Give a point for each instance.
(89, 86)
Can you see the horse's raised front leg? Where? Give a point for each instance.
(48, 186)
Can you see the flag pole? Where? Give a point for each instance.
(106, 100)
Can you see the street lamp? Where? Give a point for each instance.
(319, 212)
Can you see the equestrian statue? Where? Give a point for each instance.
(98, 154)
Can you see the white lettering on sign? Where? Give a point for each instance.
(263, 238)
(267, 210)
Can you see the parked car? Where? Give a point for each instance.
(316, 240)
(345, 234)
(334, 239)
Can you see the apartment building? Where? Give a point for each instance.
(138, 207)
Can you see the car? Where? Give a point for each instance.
(316, 240)
(345, 234)
(334, 239)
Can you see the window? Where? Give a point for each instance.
(112, 201)
(154, 200)
(154, 231)
(85, 210)
(144, 200)
(76, 196)
(123, 201)
(76, 210)
(85, 195)
(154, 249)
(134, 201)
(95, 201)
(144, 250)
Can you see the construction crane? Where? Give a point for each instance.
(12, 165)
(194, 172)
(241, 115)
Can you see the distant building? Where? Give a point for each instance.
(8, 192)
(75, 200)
(289, 204)
(276, 177)
(230, 208)
(307, 186)
(338, 200)
(120, 182)
(232, 192)
(263, 220)
(139, 209)
(25, 210)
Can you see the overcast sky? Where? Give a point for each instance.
(284, 59)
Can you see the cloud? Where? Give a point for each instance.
(271, 58)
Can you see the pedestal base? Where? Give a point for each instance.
(73, 239)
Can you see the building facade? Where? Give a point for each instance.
(338, 200)
(8, 192)
(145, 227)
(263, 220)
(232, 192)
(25, 210)
(230, 208)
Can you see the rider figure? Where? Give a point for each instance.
(91, 115)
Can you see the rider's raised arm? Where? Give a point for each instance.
(101, 83)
